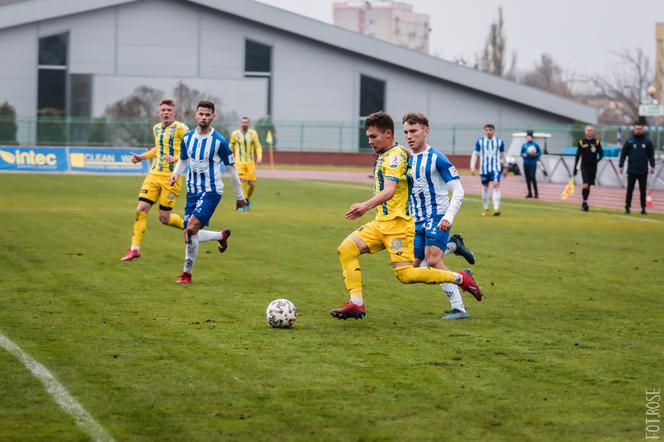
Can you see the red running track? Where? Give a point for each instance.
(511, 187)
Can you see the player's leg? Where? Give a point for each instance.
(251, 182)
(363, 240)
(193, 225)
(167, 199)
(496, 194)
(457, 246)
(242, 173)
(146, 198)
(436, 241)
(398, 239)
(643, 184)
(485, 194)
(631, 180)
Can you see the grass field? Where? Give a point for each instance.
(564, 346)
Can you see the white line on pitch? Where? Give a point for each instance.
(65, 400)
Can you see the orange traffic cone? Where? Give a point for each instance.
(648, 199)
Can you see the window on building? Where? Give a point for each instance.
(53, 50)
(372, 95)
(52, 73)
(257, 57)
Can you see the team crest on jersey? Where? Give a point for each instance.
(453, 171)
(397, 244)
(170, 196)
(395, 161)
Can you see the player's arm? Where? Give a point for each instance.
(651, 156)
(503, 159)
(623, 155)
(137, 158)
(182, 163)
(538, 154)
(600, 151)
(229, 160)
(576, 158)
(359, 209)
(455, 204)
(259, 149)
(473, 158)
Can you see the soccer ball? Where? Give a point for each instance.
(532, 150)
(281, 313)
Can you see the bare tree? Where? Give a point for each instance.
(626, 86)
(494, 58)
(549, 76)
(187, 98)
(141, 104)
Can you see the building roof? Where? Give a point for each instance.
(30, 11)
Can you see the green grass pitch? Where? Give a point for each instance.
(564, 346)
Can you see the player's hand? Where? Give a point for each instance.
(136, 158)
(504, 173)
(444, 226)
(652, 170)
(575, 172)
(173, 179)
(170, 159)
(356, 211)
(259, 161)
(621, 169)
(240, 204)
(473, 172)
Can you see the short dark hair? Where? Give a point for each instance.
(245, 118)
(379, 120)
(490, 126)
(415, 118)
(639, 123)
(206, 104)
(167, 102)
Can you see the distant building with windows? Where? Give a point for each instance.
(659, 58)
(79, 56)
(394, 22)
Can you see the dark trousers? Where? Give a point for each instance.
(643, 182)
(530, 171)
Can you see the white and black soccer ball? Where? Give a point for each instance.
(281, 313)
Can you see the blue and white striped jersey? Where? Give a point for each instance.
(489, 151)
(431, 170)
(206, 157)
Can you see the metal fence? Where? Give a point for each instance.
(306, 136)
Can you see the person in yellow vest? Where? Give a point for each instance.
(248, 151)
(168, 135)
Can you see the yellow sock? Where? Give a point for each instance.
(250, 190)
(140, 225)
(176, 221)
(348, 257)
(426, 275)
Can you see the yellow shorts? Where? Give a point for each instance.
(246, 171)
(395, 235)
(156, 188)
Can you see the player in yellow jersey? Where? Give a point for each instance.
(168, 135)
(392, 229)
(248, 151)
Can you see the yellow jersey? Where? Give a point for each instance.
(393, 165)
(167, 141)
(246, 146)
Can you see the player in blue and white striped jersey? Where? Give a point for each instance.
(433, 211)
(491, 152)
(206, 152)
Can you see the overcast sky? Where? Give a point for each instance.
(579, 34)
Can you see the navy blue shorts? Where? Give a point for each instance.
(491, 176)
(201, 205)
(427, 234)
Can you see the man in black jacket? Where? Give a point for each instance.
(589, 150)
(640, 151)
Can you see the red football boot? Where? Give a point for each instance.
(349, 310)
(223, 242)
(185, 278)
(469, 285)
(131, 254)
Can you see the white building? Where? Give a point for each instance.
(81, 55)
(394, 22)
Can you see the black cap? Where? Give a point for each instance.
(529, 133)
